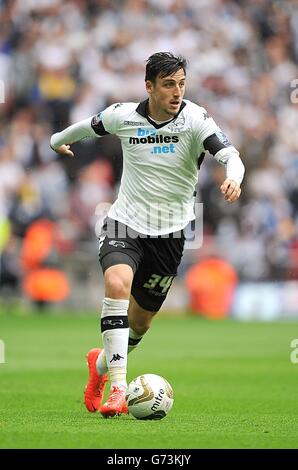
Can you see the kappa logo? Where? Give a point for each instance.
(116, 357)
(117, 243)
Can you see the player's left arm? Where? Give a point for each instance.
(228, 156)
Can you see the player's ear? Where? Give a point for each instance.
(149, 86)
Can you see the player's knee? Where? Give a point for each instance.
(116, 287)
(139, 327)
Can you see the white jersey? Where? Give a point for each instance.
(160, 165)
(160, 162)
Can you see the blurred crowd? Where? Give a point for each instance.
(62, 61)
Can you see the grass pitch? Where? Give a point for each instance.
(234, 385)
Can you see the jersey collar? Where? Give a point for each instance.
(142, 109)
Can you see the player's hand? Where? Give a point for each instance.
(230, 190)
(64, 150)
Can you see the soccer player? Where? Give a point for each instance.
(164, 139)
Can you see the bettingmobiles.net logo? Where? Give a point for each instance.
(166, 143)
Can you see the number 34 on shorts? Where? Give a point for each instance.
(157, 280)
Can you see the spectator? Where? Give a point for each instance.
(62, 61)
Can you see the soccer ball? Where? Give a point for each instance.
(149, 396)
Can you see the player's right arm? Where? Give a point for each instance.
(96, 126)
(60, 141)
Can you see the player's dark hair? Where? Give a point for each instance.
(163, 64)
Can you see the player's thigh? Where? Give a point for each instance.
(156, 272)
(119, 256)
(139, 319)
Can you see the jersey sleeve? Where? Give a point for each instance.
(205, 127)
(78, 131)
(203, 124)
(107, 122)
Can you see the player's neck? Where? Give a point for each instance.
(159, 121)
(157, 114)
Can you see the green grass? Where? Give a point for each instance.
(234, 385)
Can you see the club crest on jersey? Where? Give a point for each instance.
(178, 124)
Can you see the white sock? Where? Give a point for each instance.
(133, 342)
(114, 327)
(101, 363)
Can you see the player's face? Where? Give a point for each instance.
(165, 95)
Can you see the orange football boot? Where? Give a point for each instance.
(95, 387)
(115, 404)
